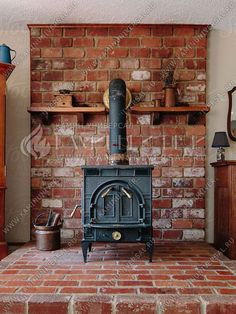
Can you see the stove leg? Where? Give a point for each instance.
(90, 246)
(85, 246)
(149, 248)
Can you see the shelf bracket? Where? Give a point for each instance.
(156, 118)
(194, 117)
(46, 118)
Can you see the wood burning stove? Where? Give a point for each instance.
(117, 198)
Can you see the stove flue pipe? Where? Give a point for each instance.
(117, 115)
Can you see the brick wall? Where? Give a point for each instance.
(85, 58)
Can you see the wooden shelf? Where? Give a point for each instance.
(46, 113)
(6, 69)
(68, 110)
(137, 109)
(193, 112)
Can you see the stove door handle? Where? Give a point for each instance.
(106, 192)
(91, 212)
(142, 207)
(126, 193)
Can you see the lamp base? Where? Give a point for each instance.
(220, 155)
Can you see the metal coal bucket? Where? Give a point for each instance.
(48, 238)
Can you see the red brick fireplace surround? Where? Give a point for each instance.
(84, 58)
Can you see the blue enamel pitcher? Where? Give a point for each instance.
(5, 54)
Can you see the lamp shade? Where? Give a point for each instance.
(220, 140)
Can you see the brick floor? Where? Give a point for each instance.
(183, 278)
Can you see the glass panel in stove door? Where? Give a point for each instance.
(128, 206)
(105, 208)
(109, 205)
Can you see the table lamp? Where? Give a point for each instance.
(220, 141)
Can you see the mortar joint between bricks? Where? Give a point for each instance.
(215, 290)
(227, 267)
(202, 305)
(159, 307)
(113, 305)
(27, 306)
(71, 305)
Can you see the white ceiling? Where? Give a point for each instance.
(15, 14)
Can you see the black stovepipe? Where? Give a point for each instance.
(117, 115)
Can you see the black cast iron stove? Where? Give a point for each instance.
(117, 198)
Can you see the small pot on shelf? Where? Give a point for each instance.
(169, 98)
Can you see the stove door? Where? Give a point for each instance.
(106, 207)
(117, 202)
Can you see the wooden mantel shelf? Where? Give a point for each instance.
(46, 113)
(142, 110)
(67, 110)
(194, 112)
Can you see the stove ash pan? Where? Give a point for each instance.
(117, 205)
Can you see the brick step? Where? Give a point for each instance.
(106, 304)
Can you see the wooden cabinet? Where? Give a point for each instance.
(225, 207)
(5, 71)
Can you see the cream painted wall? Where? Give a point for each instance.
(221, 77)
(17, 127)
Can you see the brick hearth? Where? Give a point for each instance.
(184, 278)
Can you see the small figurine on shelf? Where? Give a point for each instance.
(170, 89)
